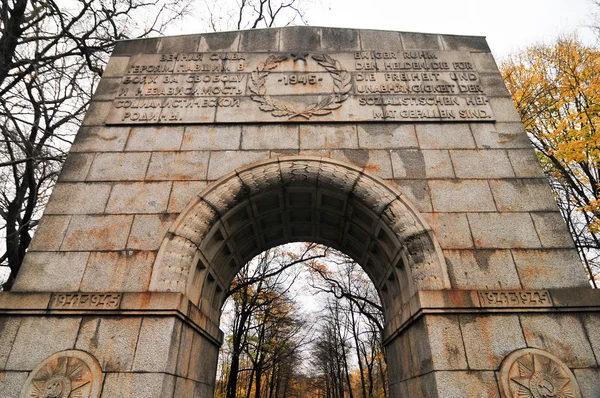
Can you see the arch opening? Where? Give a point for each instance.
(299, 199)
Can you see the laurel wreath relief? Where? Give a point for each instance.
(342, 84)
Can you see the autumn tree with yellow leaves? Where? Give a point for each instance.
(556, 89)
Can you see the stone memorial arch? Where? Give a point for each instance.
(402, 150)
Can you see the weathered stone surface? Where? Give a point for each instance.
(552, 230)
(451, 229)
(182, 193)
(504, 110)
(592, 327)
(481, 164)
(9, 328)
(112, 271)
(500, 135)
(178, 44)
(446, 342)
(386, 136)
(466, 384)
(78, 198)
(97, 113)
(225, 41)
(39, 337)
(261, 137)
(440, 136)
(380, 40)
(116, 66)
(335, 39)
(419, 41)
(376, 162)
(157, 345)
(76, 167)
(549, 268)
(111, 341)
(523, 195)
(470, 43)
(133, 385)
(260, 40)
(417, 192)
(295, 38)
(187, 165)
(329, 137)
(211, 138)
(158, 138)
(119, 166)
(11, 383)
(97, 232)
(49, 233)
(562, 335)
(503, 230)
(45, 271)
(100, 139)
(488, 339)
(461, 196)
(148, 231)
(481, 269)
(525, 163)
(223, 162)
(139, 197)
(588, 381)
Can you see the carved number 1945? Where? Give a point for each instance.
(299, 79)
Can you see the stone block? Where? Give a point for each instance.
(386, 136)
(222, 41)
(552, 230)
(377, 162)
(185, 350)
(270, 137)
(562, 335)
(203, 390)
(203, 360)
(328, 137)
(550, 268)
(139, 197)
(493, 85)
(49, 233)
(106, 89)
(51, 271)
(136, 385)
(143, 46)
(224, 162)
(11, 383)
(421, 351)
(156, 138)
(211, 138)
(481, 164)
(184, 387)
(295, 38)
(380, 40)
(417, 192)
(445, 342)
(182, 193)
(445, 136)
(523, 195)
(591, 323)
(481, 269)
(503, 230)
(461, 196)
(178, 44)
(9, 328)
(588, 381)
(525, 163)
(500, 135)
(504, 110)
(96, 113)
(466, 384)
(484, 62)
(189, 165)
(335, 39)
(488, 339)
(148, 231)
(76, 167)
(97, 233)
(260, 40)
(119, 166)
(40, 337)
(451, 229)
(158, 345)
(116, 66)
(111, 340)
(100, 139)
(420, 41)
(78, 198)
(465, 43)
(438, 164)
(409, 164)
(124, 271)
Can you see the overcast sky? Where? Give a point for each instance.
(507, 24)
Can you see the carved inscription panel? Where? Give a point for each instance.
(515, 298)
(300, 87)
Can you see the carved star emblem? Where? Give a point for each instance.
(299, 56)
(541, 378)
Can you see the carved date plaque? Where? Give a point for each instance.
(515, 298)
(88, 301)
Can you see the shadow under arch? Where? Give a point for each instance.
(291, 199)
